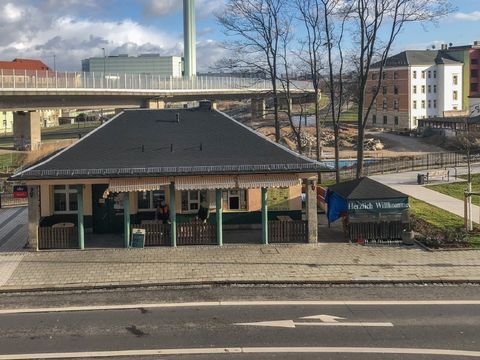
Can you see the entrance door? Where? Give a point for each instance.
(107, 213)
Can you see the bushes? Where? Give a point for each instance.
(434, 237)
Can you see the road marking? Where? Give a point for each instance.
(243, 350)
(325, 320)
(237, 303)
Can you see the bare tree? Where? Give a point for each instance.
(256, 27)
(373, 19)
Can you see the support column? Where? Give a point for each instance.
(264, 216)
(33, 216)
(26, 130)
(219, 215)
(126, 218)
(173, 215)
(258, 108)
(80, 212)
(312, 219)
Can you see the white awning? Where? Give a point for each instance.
(267, 181)
(205, 182)
(136, 184)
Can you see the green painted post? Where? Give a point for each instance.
(264, 217)
(126, 218)
(173, 215)
(81, 228)
(219, 213)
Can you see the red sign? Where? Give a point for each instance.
(20, 191)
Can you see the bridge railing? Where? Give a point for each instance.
(35, 79)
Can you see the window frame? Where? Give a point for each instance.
(150, 200)
(69, 191)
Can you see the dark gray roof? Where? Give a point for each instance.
(153, 143)
(418, 57)
(365, 189)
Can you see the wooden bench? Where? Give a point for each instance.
(437, 174)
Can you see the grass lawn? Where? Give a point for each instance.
(11, 160)
(456, 189)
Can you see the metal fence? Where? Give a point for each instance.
(35, 79)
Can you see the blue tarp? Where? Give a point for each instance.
(336, 206)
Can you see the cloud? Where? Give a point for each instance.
(161, 8)
(473, 16)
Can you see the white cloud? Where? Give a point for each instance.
(473, 16)
(161, 8)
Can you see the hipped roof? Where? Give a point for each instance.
(365, 189)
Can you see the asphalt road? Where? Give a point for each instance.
(388, 328)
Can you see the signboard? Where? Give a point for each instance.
(20, 191)
(138, 238)
(277, 199)
(377, 206)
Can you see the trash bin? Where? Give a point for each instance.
(420, 179)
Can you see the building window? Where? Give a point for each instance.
(395, 90)
(395, 75)
(414, 89)
(434, 104)
(374, 76)
(395, 104)
(149, 200)
(423, 104)
(384, 90)
(429, 104)
(414, 104)
(434, 74)
(429, 74)
(455, 95)
(434, 89)
(415, 122)
(455, 79)
(234, 200)
(423, 74)
(374, 119)
(374, 89)
(396, 120)
(474, 73)
(474, 87)
(385, 119)
(474, 61)
(423, 89)
(455, 108)
(429, 89)
(384, 106)
(415, 74)
(65, 199)
(191, 200)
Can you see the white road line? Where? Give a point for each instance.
(243, 350)
(238, 303)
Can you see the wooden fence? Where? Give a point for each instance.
(57, 238)
(293, 231)
(196, 233)
(385, 230)
(156, 234)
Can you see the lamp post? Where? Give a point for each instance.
(104, 64)
(54, 62)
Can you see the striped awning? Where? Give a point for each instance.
(136, 184)
(267, 181)
(205, 182)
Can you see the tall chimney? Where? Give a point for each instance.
(189, 38)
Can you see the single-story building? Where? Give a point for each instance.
(113, 179)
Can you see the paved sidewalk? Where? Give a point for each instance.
(235, 264)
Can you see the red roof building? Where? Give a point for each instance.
(23, 64)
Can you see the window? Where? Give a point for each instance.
(414, 89)
(455, 79)
(423, 74)
(384, 106)
(191, 200)
(429, 74)
(434, 74)
(415, 74)
(455, 108)
(474, 73)
(396, 120)
(385, 119)
(429, 104)
(149, 200)
(65, 199)
(423, 89)
(434, 104)
(395, 90)
(384, 90)
(234, 200)
(423, 104)
(395, 75)
(414, 104)
(374, 76)
(374, 119)
(455, 95)
(395, 104)
(474, 61)
(374, 89)
(473, 88)
(435, 89)
(415, 122)
(429, 89)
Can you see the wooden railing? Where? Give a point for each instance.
(196, 233)
(292, 231)
(156, 234)
(376, 231)
(57, 238)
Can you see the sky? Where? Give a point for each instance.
(68, 31)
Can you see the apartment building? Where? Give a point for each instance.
(415, 85)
